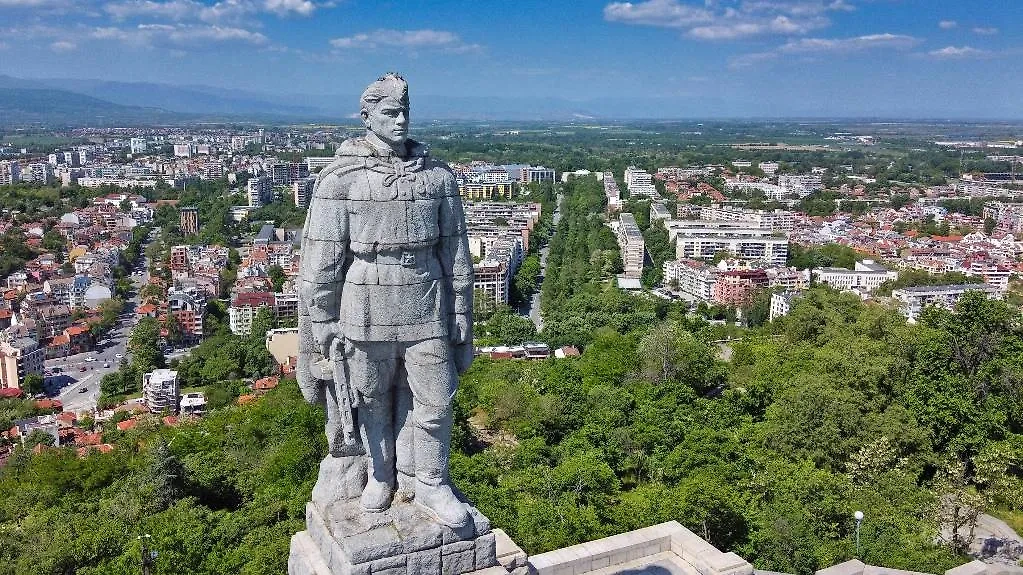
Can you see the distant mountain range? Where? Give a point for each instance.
(79, 102)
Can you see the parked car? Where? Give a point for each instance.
(83, 389)
(90, 359)
(106, 364)
(81, 368)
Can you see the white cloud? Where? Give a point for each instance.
(822, 46)
(409, 39)
(958, 52)
(28, 3)
(947, 24)
(664, 13)
(729, 19)
(846, 45)
(184, 36)
(289, 7)
(222, 11)
(63, 46)
(985, 31)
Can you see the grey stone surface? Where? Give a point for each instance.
(385, 327)
(509, 554)
(402, 539)
(640, 551)
(850, 567)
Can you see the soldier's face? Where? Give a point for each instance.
(388, 120)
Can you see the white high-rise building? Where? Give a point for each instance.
(702, 239)
(913, 300)
(138, 146)
(776, 220)
(160, 390)
(10, 173)
(632, 244)
(302, 191)
(260, 191)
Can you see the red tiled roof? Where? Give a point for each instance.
(266, 383)
(77, 330)
(49, 404)
(127, 424)
(246, 399)
(253, 299)
(170, 420)
(84, 438)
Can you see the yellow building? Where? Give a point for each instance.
(486, 191)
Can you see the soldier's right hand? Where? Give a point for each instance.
(325, 333)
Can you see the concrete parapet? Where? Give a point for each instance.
(850, 567)
(509, 554)
(975, 567)
(873, 570)
(669, 537)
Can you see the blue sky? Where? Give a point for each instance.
(936, 58)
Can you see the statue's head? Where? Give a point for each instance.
(385, 109)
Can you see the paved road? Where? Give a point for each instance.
(533, 308)
(78, 390)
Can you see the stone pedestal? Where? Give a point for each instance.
(341, 539)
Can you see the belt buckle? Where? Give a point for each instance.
(408, 259)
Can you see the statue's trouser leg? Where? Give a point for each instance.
(433, 381)
(404, 444)
(371, 367)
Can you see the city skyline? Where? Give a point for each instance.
(753, 58)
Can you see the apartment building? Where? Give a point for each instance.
(20, 355)
(188, 220)
(659, 212)
(160, 389)
(695, 278)
(260, 191)
(302, 191)
(702, 239)
(614, 195)
(10, 173)
(485, 191)
(244, 307)
(776, 220)
(188, 306)
(781, 304)
(491, 278)
(913, 300)
(640, 183)
(865, 276)
(737, 287)
(631, 244)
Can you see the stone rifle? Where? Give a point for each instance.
(315, 374)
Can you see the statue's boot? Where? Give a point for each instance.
(433, 487)
(377, 430)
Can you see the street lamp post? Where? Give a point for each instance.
(859, 519)
(147, 556)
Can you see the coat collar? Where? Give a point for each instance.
(359, 147)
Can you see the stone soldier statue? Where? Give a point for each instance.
(386, 301)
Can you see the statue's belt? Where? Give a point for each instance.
(408, 258)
